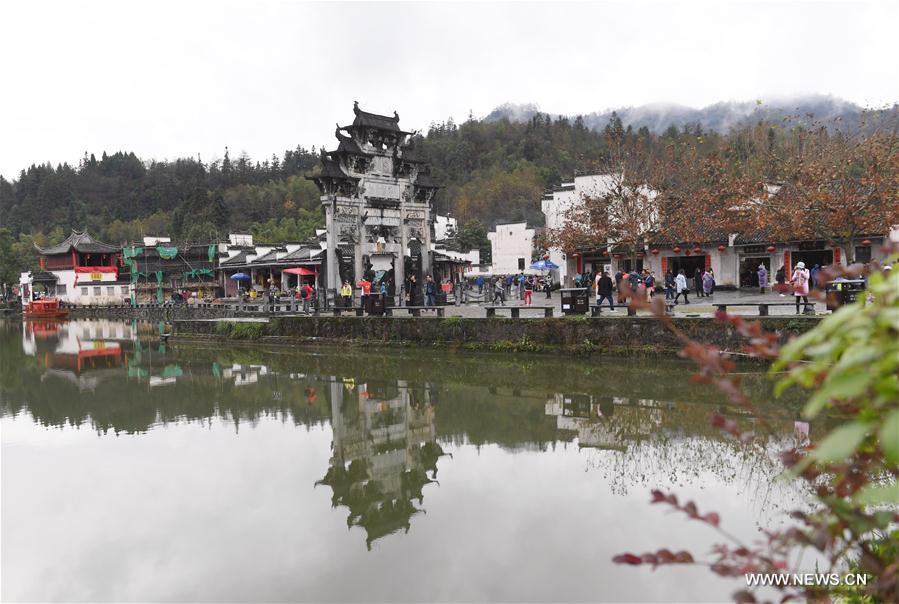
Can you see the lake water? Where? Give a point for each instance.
(138, 470)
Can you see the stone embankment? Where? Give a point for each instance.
(642, 336)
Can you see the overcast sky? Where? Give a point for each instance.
(171, 79)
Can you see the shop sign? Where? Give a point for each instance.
(811, 245)
(754, 249)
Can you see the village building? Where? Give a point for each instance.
(159, 269)
(79, 271)
(376, 190)
(733, 257)
(283, 266)
(511, 248)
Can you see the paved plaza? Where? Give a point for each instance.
(703, 307)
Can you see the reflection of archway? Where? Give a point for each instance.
(385, 447)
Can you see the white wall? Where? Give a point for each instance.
(508, 244)
(443, 226)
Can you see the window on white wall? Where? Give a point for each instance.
(124, 290)
(61, 289)
(110, 290)
(97, 290)
(83, 291)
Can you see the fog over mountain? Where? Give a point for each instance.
(719, 117)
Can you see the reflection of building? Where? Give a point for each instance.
(603, 422)
(81, 351)
(384, 447)
(244, 375)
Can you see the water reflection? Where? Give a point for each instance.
(384, 447)
(394, 416)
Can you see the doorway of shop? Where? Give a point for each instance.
(812, 257)
(688, 263)
(626, 265)
(749, 270)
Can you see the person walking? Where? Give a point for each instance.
(707, 281)
(498, 292)
(800, 282)
(480, 284)
(346, 293)
(650, 282)
(763, 278)
(430, 292)
(697, 282)
(780, 278)
(548, 284)
(680, 284)
(412, 293)
(669, 285)
(604, 290)
(304, 296)
(619, 277)
(365, 287)
(528, 290)
(814, 276)
(712, 275)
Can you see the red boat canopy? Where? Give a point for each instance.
(299, 271)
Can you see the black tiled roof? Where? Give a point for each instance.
(378, 122)
(348, 145)
(80, 242)
(239, 259)
(43, 277)
(331, 169)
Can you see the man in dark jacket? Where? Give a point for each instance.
(697, 283)
(619, 277)
(430, 292)
(604, 290)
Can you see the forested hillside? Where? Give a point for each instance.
(490, 170)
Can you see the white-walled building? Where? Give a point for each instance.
(511, 248)
(445, 227)
(733, 257)
(555, 206)
(80, 270)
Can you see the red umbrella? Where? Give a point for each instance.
(300, 271)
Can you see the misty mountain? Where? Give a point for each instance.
(719, 117)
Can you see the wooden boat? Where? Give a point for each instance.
(45, 308)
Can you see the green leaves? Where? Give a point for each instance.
(841, 443)
(838, 386)
(889, 437)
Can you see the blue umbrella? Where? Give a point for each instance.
(544, 265)
(239, 277)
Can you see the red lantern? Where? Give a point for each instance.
(771, 249)
(722, 247)
(617, 256)
(605, 252)
(687, 252)
(676, 249)
(655, 252)
(546, 256)
(640, 254)
(866, 242)
(697, 250)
